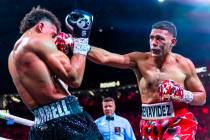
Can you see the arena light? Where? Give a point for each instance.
(201, 69)
(91, 93)
(4, 111)
(110, 84)
(161, 0)
(10, 122)
(193, 2)
(15, 99)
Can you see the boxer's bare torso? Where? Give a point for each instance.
(151, 68)
(33, 79)
(149, 74)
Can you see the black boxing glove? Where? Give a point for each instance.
(79, 23)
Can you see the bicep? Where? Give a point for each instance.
(101, 56)
(121, 61)
(56, 61)
(193, 83)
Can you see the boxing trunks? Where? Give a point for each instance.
(63, 119)
(161, 122)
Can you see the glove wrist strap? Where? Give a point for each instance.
(188, 96)
(81, 46)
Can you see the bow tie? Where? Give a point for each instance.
(109, 118)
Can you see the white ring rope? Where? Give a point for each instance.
(1, 138)
(16, 119)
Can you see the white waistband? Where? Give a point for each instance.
(157, 111)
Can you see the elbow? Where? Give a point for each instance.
(75, 81)
(75, 76)
(199, 99)
(202, 103)
(75, 85)
(203, 99)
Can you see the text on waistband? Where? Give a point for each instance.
(157, 111)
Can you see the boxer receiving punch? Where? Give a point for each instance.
(167, 81)
(40, 71)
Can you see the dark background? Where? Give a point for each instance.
(120, 26)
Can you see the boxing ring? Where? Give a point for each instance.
(16, 119)
(7, 116)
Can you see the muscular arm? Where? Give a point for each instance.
(194, 85)
(101, 56)
(71, 71)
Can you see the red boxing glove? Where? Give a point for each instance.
(169, 90)
(64, 42)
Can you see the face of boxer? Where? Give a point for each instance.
(47, 28)
(108, 108)
(161, 42)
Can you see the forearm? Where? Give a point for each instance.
(101, 56)
(98, 55)
(76, 73)
(199, 98)
(193, 84)
(79, 23)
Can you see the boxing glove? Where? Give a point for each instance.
(169, 90)
(79, 23)
(64, 42)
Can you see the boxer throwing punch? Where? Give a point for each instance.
(38, 66)
(167, 81)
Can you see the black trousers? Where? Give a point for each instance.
(78, 126)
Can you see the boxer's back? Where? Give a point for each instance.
(31, 76)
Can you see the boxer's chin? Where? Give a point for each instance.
(156, 52)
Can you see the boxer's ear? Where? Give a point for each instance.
(173, 42)
(39, 27)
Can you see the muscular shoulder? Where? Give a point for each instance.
(181, 59)
(32, 42)
(41, 45)
(137, 55)
(184, 62)
(41, 41)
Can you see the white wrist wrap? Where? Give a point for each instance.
(188, 96)
(81, 46)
